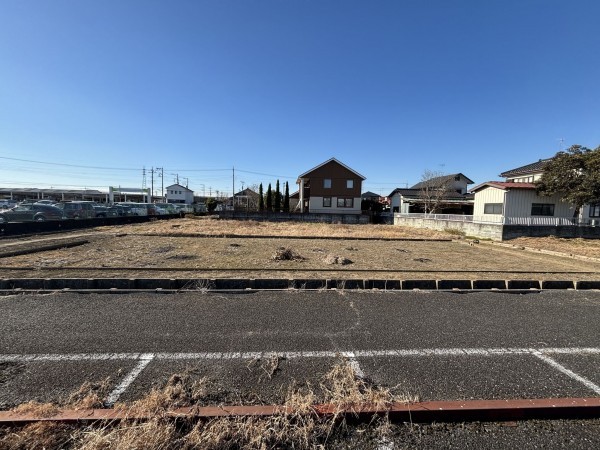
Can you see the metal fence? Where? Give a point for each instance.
(500, 220)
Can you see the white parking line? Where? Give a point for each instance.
(144, 360)
(594, 387)
(57, 357)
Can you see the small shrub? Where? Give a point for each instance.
(287, 254)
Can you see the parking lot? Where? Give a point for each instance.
(253, 347)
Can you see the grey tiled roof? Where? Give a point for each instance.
(535, 167)
(441, 179)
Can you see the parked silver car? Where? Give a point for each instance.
(31, 212)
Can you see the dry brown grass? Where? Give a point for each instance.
(158, 250)
(215, 227)
(577, 247)
(37, 409)
(297, 426)
(90, 395)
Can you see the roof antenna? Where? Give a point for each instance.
(561, 142)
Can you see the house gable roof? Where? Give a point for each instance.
(246, 193)
(504, 185)
(178, 186)
(369, 194)
(535, 167)
(441, 179)
(305, 174)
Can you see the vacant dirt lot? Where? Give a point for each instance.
(209, 248)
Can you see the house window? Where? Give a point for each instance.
(595, 210)
(542, 209)
(345, 202)
(492, 208)
(326, 202)
(350, 184)
(327, 183)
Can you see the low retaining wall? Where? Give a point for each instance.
(498, 232)
(193, 284)
(564, 231)
(296, 217)
(480, 230)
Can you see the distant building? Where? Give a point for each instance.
(455, 198)
(330, 188)
(177, 193)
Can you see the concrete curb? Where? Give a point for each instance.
(196, 284)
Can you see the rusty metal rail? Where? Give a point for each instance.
(423, 412)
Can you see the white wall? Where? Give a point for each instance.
(316, 206)
(519, 201)
(487, 195)
(186, 196)
(395, 202)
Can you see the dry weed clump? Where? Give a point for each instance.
(37, 409)
(90, 395)
(298, 425)
(37, 436)
(287, 254)
(334, 259)
(156, 434)
(180, 390)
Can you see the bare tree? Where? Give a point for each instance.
(434, 188)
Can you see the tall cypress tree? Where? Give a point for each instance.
(261, 198)
(286, 199)
(277, 198)
(269, 198)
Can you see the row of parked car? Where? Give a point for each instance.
(43, 210)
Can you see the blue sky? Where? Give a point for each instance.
(93, 91)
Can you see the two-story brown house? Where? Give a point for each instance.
(331, 187)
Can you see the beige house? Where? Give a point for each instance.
(515, 201)
(330, 188)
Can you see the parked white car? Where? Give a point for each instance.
(136, 209)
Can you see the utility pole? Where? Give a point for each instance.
(151, 183)
(162, 183)
(187, 180)
(233, 190)
(143, 181)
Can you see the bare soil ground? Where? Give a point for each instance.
(205, 248)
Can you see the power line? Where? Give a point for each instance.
(66, 165)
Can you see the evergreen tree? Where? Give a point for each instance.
(269, 198)
(574, 175)
(261, 198)
(277, 198)
(286, 199)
